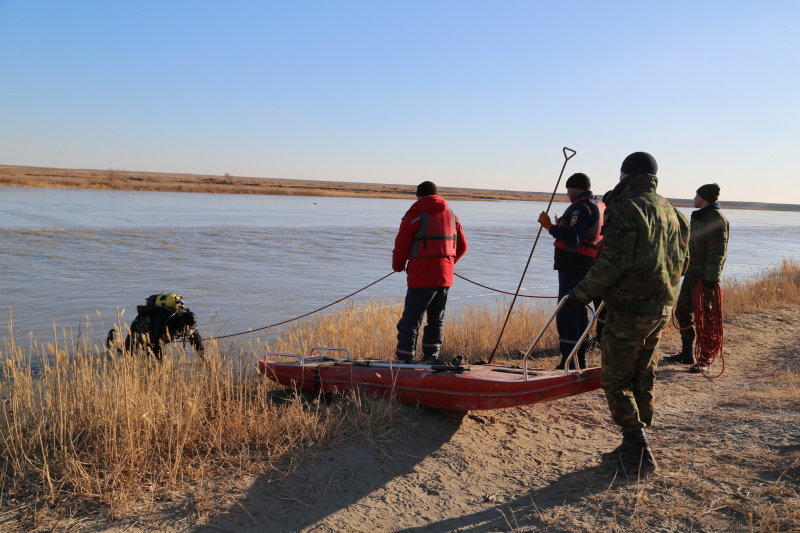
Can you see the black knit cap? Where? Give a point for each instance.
(426, 188)
(639, 163)
(709, 192)
(579, 180)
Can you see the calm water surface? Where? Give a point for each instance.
(246, 261)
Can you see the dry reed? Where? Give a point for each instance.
(773, 287)
(471, 333)
(91, 431)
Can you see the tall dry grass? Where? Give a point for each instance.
(773, 287)
(91, 430)
(471, 333)
(102, 433)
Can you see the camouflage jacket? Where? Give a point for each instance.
(645, 250)
(708, 245)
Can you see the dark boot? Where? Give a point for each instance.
(685, 356)
(581, 355)
(562, 364)
(634, 456)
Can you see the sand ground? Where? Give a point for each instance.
(728, 449)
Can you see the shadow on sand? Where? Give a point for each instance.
(525, 511)
(334, 479)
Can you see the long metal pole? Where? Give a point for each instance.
(519, 286)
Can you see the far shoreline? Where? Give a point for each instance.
(123, 180)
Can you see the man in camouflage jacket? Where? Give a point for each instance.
(708, 248)
(645, 252)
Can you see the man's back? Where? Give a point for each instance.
(708, 244)
(646, 242)
(436, 270)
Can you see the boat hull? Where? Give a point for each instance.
(477, 387)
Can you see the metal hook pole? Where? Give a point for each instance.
(535, 242)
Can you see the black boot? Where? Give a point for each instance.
(582, 357)
(685, 356)
(581, 361)
(634, 456)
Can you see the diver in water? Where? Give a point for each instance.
(163, 319)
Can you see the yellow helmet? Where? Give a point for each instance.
(171, 300)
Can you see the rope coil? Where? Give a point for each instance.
(708, 327)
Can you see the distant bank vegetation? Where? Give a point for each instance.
(123, 180)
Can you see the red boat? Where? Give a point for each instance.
(446, 386)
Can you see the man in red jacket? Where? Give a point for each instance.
(428, 245)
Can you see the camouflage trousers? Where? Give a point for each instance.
(629, 346)
(684, 309)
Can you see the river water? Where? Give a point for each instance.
(244, 262)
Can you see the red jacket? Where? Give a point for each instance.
(427, 271)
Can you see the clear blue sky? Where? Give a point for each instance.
(465, 93)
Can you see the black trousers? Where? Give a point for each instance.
(419, 302)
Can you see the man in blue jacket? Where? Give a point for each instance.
(577, 245)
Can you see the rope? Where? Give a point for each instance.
(306, 314)
(708, 327)
(535, 242)
(498, 290)
(353, 294)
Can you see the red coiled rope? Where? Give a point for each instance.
(708, 327)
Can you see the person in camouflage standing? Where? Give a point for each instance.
(645, 252)
(708, 248)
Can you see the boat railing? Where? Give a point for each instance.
(313, 351)
(573, 353)
(571, 358)
(296, 356)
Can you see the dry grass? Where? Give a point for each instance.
(91, 431)
(728, 477)
(774, 287)
(471, 333)
(122, 180)
(95, 434)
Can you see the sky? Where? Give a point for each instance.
(478, 94)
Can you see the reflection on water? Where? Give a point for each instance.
(244, 262)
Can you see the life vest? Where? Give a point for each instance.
(592, 241)
(436, 236)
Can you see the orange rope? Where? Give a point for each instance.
(708, 327)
